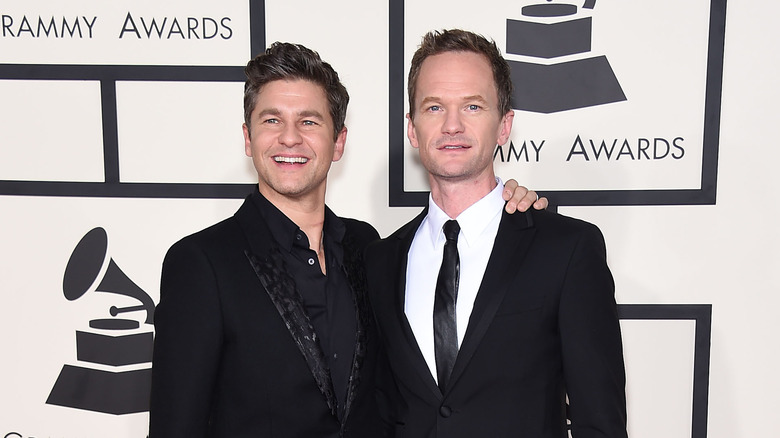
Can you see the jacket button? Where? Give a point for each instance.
(445, 411)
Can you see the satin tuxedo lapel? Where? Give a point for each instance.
(265, 257)
(514, 237)
(412, 350)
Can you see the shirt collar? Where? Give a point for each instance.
(284, 230)
(473, 221)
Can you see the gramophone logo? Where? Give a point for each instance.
(547, 32)
(115, 342)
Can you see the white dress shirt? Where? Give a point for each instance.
(478, 229)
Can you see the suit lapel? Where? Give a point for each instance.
(266, 260)
(356, 277)
(514, 237)
(413, 353)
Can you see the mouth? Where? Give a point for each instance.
(450, 147)
(290, 160)
(453, 143)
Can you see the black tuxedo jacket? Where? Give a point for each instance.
(235, 354)
(544, 326)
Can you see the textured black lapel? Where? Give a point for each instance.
(283, 293)
(356, 277)
(514, 237)
(266, 260)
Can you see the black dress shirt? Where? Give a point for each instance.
(327, 299)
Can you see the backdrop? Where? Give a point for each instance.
(120, 133)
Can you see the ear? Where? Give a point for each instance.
(505, 128)
(247, 140)
(410, 133)
(341, 140)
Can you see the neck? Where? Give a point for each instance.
(454, 197)
(307, 211)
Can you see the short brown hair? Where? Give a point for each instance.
(458, 40)
(287, 61)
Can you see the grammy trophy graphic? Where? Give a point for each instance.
(112, 342)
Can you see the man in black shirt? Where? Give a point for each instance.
(263, 329)
(326, 298)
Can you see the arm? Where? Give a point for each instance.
(187, 345)
(591, 343)
(521, 199)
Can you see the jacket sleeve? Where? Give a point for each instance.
(591, 342)
(187, 344)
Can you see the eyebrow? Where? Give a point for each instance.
(475, 97)
(269, 112)
(311, 113)
(303, 114)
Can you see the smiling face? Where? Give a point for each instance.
(290, 139)
(457, 122)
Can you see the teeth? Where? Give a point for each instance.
(452, 147)
(291, 159)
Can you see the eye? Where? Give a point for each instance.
(309, 123)
(271, 121)
(434, 108)
(474, 107)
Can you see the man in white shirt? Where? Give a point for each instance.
(496, 319)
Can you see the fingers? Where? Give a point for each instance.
(521, 200)
(541, 203)
(510, 187)
(523, 204)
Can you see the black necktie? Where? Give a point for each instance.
(445, 329)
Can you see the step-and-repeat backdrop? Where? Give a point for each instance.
(120, 132)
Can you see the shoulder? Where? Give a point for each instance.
(405, 233)
(559, 231)
(382, 246)
(360, 229)
(225, 233)
(547, 220)
(209, 239)
(382, 251)
(358, 232)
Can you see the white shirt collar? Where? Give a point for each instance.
(473, 221)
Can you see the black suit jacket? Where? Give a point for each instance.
(544, 326)
(235, 354)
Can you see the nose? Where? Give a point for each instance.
(452, 123)
(290, 136)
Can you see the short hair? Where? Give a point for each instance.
(458, 40)
(287, 61)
